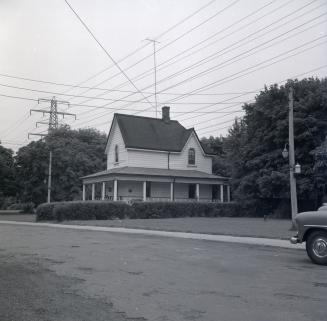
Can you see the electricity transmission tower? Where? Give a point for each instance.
(155, 71)
(52, 124)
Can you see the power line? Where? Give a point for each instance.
(140, 48)
(186, 50)
(215, 55)
(259, 69)
(100, 98)
(106, 52)
(127, 56)
(101, 107)
(295, 76)
(113, 90)
(176, 39)
(191, 93)
(225, 79)
(138, 77)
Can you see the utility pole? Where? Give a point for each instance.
(49, 177)
(52, 124)
(292, 156)
(155, 72)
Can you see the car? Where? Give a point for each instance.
(312, 229)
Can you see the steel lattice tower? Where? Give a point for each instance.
(53, 116)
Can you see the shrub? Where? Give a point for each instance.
(184, 209)
(104, 210)
(83, 210)
(45, 212)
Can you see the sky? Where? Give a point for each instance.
(211, 57)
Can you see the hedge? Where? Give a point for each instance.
(184, 209)
(44, 212)
(104, 210)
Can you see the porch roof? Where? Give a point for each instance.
(155, 172)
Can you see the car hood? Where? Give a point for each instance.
(312, 218)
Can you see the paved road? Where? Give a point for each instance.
(60, 274)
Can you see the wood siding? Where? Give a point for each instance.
(180, 161)
(116, 138)
(155, 159)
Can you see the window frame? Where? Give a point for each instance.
(148, 189)
(191, 156)
(116, 153)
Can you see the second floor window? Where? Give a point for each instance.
(116, 154)
(191, 156)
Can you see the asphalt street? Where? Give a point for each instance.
(62, 274)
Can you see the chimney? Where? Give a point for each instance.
(165, 114)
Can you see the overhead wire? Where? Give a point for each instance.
(181, 82)
(122, 59)
(256, 20)
(137, 77)
(250, 72)
(226, 79)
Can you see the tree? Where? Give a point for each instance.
(7, 173)
(75, 153)
(254, 145)
(215, 144)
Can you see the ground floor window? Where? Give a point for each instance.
(148, 189)
(191, 191)
(215, 192)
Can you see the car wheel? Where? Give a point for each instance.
(316, 247)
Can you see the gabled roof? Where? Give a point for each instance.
(153, 133)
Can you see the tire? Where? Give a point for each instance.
(316, 247)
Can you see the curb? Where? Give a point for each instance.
(181, 235)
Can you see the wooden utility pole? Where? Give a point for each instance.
(49, 177)
(292, 156)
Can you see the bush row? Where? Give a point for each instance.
(104, 210)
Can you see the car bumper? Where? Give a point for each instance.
(295, 239)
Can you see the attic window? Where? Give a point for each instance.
(116, 154)
(191, 156)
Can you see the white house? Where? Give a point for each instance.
(154, 159)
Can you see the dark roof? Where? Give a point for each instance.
(153, 133)
(143, 171)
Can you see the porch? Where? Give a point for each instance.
(155, 185)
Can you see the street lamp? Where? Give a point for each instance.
(297, 168)
(285, 152)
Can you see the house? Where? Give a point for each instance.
(150, 159)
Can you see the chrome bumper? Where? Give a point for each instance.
(294, 239)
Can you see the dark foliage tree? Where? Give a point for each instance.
(7, 173)
(75, 153)
(215, 144)
(253, 146)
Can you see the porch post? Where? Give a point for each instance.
(197, 191)
(228, 193)
(103, 190)
(144, 191)
(93, 191)
(83, 192)
(115, 190)
(222, 193)
(172, 191)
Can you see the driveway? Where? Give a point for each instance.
(61, 274)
